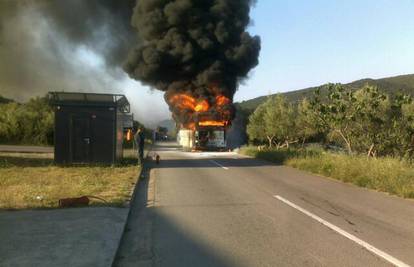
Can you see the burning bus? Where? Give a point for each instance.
(211, 137)
(208, 135)
(207, 121)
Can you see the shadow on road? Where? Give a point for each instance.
(150, 233)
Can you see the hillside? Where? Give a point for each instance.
(390, 85)
(4, 100)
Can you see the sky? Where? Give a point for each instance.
(309, 43)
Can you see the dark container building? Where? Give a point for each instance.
(89, 128)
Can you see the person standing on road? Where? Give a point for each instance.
(140, 141)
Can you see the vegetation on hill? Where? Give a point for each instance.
(4, 100)
(399, 84)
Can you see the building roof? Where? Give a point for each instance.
(89, 99)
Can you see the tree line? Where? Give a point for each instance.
(363, 121)
(29, 123)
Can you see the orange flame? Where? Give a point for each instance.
(202, 106)
(129, 135)
(191, 126)
(221, 100)
(183, 101)
(187, 102)
(212, 123)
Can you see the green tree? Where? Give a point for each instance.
(369, 128)
(30, 123)
(307, 122)
(407, 128)
(274, 122)
(359, 120)
(401, 127)
(336, 113)
(279, 120)
(256, 128)
(8, 122)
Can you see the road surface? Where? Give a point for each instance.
(224, 209)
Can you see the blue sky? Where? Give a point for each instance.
(311, 42)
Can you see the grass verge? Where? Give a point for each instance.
(30, 181)
(389, 175)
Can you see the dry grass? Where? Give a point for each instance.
(383, 174)
(32, 181)
(390, 175)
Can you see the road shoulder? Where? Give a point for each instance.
(61, 237)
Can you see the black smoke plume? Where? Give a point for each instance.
(199, 48)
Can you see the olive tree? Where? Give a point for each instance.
(307, 122)
(280, 121)
(336, 113)
(256, 128)
(369, 128)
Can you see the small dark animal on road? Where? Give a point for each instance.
(157, 159)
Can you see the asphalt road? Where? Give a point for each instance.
(223, 209)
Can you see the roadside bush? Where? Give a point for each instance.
(280, 156)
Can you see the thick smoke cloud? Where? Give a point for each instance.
(101, 24)
(63, 45)
(196, 47)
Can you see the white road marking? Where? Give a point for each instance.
(218, 164)
(362, 243)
